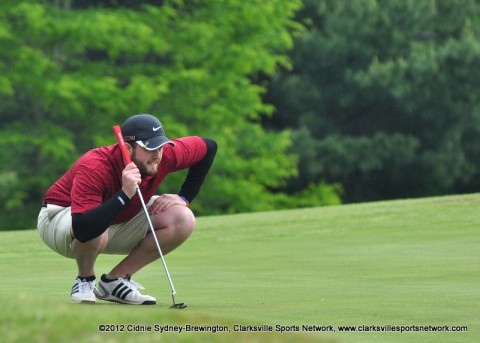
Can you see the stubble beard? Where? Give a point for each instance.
(143, 167)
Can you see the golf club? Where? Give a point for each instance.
(127, 160)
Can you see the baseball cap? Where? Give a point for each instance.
(145, 130)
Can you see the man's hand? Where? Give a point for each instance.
(164, 201)
(131, 177)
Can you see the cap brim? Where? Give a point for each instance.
(155, 143)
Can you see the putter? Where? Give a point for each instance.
(126, 158)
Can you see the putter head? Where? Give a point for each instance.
(179, 306)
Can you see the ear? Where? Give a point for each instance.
(129, 148)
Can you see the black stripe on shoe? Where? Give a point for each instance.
(121, 291)
(119, 287)
(126, 293)
(75, 288)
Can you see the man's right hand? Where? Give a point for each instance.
(131, 177)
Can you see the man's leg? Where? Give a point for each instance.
(86, 253)
(55, 229)
(172, 228)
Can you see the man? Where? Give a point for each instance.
(93, 208)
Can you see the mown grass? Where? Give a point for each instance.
(402, 263)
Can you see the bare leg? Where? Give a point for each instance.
(172, 228)
(86, 253)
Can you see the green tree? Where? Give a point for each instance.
(384, 97)
(72, 69)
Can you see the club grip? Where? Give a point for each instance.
(121, 143)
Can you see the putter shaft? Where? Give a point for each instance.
(157, 244)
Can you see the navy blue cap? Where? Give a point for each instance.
(146, 130)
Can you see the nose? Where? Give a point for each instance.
(158, 153)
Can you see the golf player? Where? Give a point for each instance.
(94, 207)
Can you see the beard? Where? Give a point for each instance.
(149, 168)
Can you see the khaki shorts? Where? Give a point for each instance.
(55, 229)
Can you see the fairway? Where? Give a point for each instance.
(408, 264)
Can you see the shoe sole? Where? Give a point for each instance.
(146, 302)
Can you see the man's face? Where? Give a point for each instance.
(147, 161)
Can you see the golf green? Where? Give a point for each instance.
(394, 271)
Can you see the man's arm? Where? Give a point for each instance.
(196, 174)
(93, 223)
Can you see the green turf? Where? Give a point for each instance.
(411, 262)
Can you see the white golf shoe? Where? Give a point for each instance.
(83, 291)
(123, 291)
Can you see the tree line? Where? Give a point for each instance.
(383, 97)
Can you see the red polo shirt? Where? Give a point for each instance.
(97, 176)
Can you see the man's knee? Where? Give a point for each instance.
(187, 219)
(184, 222)
(178, 218)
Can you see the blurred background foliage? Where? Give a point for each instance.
(312, 102)
(383, 97)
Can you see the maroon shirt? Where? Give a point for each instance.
(97, 176)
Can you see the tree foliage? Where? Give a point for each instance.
(383, 96)
(72, 69)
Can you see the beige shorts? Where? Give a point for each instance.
(55, 229)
